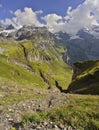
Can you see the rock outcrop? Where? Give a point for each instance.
(81, 47)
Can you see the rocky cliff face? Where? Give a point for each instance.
(26, 32)
(81, 47)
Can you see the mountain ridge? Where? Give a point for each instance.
(81, 47)
(35, 60)
(85, 78)
(34, 80)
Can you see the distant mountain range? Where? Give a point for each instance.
(39, 78)
(39, 51)
(31, 55)
(80, 47)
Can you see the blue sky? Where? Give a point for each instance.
(57, 15)
(47, 6)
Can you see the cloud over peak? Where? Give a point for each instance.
(25, 17)
(85, 15)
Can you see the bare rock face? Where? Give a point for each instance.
(82, 46)
(26, 32)
(29, 32)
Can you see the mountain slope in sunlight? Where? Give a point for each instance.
(85, 78)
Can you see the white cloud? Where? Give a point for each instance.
(1, 5)
(75, 19)
(26, 17)
(52, 21)
(85, 15)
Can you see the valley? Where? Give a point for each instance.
(41, 86)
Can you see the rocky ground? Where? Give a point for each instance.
(11, 116)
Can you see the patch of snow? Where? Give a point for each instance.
(74, 37)
(95, 34)
(59, 38)
(86, 29)
(93, 31)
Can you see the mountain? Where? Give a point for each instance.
(34, 80)
(42, 55)
(82, 46)
(29, 46)
(85, 78)
(30, 57)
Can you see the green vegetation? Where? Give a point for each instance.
(55, 71)
(21, 65)
(19, 74)
(14, 63)
(12, 128)
(87, 80)
(27, 66)
(81, 113)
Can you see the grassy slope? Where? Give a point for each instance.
(88, 80)
(13, 68)
(81, 112)
(17, 84)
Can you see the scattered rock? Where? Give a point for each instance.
(15, 112)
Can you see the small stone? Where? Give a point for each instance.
(38, 127)
(45, 123)
(10, 119)
(29, 107)
(7, 116)
(1, 95)
(69, 128)
(51, 122)
(50, 125)
(10, 110)
(61, 126)
(55, 126)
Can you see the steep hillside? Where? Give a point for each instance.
(31, 64)
(34, 81)
(82, 46)
(85, 78)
